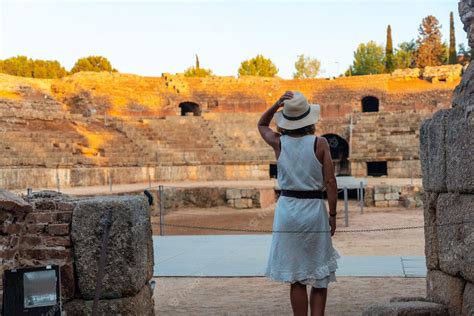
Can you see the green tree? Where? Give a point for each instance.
(466, 54)
(405, 55)
(258, 66)
(92, 63)
(306, 67)
(368, 59)
(452, 59)
(197, 71)
(431, 51)
(27, 67)
(389, 59)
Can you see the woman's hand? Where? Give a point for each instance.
(287, 96)
(332, 223)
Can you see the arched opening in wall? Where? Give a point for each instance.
(273, 171)
(190, 108)
(370, 104)
(376, 168)
(339, 154)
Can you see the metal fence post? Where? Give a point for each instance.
(161, 194)
(346, 208)
(110, 183)
(361, 188)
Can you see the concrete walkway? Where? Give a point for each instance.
(246, 255)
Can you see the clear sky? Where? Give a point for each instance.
(152, 37)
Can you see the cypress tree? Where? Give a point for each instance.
(197, 62)
(452, 41)
(389, 64)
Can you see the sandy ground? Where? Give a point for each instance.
(260, 296)
(403, 242)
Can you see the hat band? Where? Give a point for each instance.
(296, 118)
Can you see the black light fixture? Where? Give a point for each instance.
(32, 291)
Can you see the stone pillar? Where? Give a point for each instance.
(446, 149)
(129, 264)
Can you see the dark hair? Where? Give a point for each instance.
(306, 130)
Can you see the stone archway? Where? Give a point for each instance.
(339, 153)
(190, 107)
(370, 104)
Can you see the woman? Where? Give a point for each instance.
(301, 252)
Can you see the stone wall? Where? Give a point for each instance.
(447, 142)
(446, 149)
(250, 198)
(50, 228)
(392, 137)
(384, 195)
(22, 178)
(88, 127)
(208, 197)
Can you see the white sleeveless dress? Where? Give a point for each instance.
(306, 256)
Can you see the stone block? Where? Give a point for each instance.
(12, 203)
(58, 229)
(381, 203)
(242, 203)
(431, 236)
(445, 289)
(140, 304)
(459, 152)
(412, 308)
(396, 189)
(128, 257)
(246, 193)
(382, 188)
(456, 244)
(468, 299)
(57, 241)
(462, 96)
(379, 196)
(233, 194)
(39, 217)
(266, 197)
(387, 196)
(433, 152)
(63, 217)
(68, 283)
(393, 203)
(46, 254)
(369, 197)
(407, 202)
(231, 203)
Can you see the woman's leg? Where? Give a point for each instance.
(299, 299)
(317, 301)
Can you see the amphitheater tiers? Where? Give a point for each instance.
(92, 128)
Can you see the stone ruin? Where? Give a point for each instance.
(446, 150)
(51, 228)
(92, 129)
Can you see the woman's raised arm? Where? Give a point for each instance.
(268, 135)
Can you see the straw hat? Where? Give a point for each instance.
(297, 113)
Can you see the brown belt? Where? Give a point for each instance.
(316, 194)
